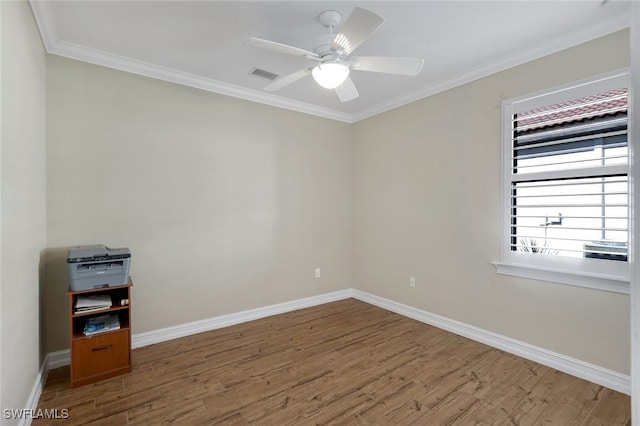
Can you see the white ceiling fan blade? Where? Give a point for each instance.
(388, 65)
(356, 29)
(347, 91)
(287, 80)
(279, 47)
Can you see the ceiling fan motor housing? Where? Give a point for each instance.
(322, 46)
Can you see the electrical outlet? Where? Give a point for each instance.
(412, 281)
(317, 273)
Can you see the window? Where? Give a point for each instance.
(565, 182)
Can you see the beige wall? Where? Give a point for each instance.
(226, 205)
(22, 166)
(427, 203)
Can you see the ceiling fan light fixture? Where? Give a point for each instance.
(330, 74)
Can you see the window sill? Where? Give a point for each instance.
(595, 281)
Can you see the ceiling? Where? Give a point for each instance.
(201, 43)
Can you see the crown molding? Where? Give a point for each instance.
(46, 24)
(146, 69)
(487, 69)
(45, 21)
(43, 16)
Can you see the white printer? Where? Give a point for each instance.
(97, 266)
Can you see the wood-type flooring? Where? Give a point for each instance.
(342, 363)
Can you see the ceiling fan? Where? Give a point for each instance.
(332, 53)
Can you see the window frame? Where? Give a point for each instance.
(602, 274)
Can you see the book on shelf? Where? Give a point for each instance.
(101, 323)
(92, 303)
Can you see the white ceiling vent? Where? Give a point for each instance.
(264, 74)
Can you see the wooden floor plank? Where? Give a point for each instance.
(345, 362)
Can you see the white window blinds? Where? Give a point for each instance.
(568, 174)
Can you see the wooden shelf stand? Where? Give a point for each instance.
(101, 355)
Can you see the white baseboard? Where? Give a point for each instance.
(36, 391)
(164, 334)
(575, 367)
(57, 359)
